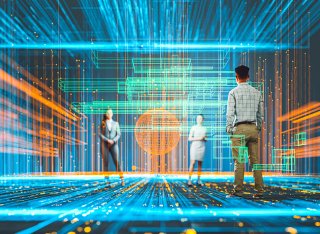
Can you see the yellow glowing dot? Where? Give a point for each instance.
(87, 229)
(80, 229)
(71, 233)
(317, 224)
(191, 231)
(291, 230)
(241, 224)
(296, 217)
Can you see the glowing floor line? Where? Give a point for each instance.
(73, 200)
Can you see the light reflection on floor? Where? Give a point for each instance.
(156, 203)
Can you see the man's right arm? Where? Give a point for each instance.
(231, 110)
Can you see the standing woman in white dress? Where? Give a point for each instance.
(197, 136)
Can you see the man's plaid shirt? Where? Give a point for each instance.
(245, 104)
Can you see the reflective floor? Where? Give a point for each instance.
(156, 204)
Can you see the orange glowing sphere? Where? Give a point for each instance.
(157, 131)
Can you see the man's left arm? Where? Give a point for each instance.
(260, 113)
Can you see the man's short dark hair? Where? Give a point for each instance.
(242, 71)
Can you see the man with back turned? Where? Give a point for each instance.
(244, 123)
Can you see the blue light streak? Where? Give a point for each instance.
(138, 47)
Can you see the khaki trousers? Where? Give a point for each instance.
(245, 140)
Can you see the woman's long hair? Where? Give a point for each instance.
(104, 118)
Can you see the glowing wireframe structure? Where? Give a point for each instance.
(58, 78)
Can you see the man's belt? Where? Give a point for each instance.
(244, 122)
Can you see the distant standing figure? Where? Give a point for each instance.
(110, 135)
(197, 150)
